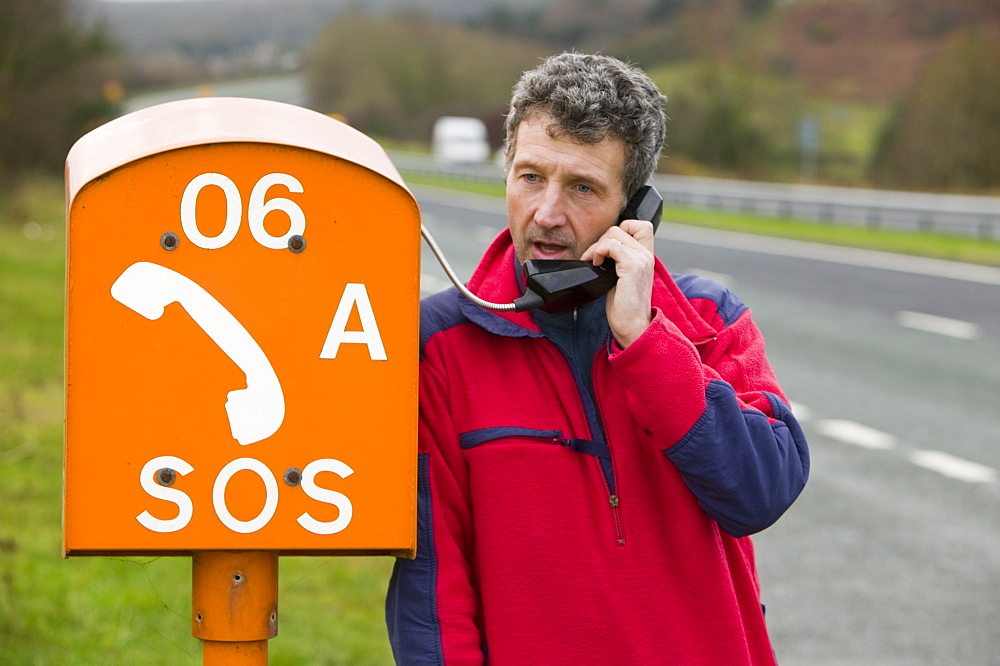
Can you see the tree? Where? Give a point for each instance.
(712, 121)
(393, 76)
(946, 133)
(52, 82)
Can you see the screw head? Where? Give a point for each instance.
(166, 476)
(169, 241)
(296, 243)
(293, 476)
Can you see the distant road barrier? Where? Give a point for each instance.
(877, 209)
(486, 172)
(977, 216)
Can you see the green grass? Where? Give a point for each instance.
(489, 189)
(118, 610)
(918, 243)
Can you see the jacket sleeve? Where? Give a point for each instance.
(719, 415)
(431, 605)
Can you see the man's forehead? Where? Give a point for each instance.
(536, 144)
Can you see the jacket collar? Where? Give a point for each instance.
(498, 279)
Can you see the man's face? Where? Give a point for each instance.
(561, 195)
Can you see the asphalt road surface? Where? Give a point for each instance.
(892, 553)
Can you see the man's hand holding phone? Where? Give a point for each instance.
(630, 245)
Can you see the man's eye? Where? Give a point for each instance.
(531, 177)
(586, 189)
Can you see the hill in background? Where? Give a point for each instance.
(853, 50)
(870, 50)
(745, 78)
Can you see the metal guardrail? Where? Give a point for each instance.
(878, 209)
(486, 172)
(977, 216)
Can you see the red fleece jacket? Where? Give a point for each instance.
(559, 527)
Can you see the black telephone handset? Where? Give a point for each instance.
(562, 284)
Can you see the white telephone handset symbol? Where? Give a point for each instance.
(255, 412)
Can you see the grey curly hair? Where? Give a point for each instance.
(591, 98)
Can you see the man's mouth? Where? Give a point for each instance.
(548, 250)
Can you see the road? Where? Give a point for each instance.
(892, 554)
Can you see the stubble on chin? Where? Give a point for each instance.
(546, 237)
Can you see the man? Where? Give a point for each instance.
(588, 478)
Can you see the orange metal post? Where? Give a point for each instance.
(234, 605)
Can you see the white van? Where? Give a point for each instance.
(459, 139)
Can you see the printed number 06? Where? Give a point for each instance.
(256, 211)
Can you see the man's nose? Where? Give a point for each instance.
(551, 210)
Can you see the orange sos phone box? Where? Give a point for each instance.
(241, 336)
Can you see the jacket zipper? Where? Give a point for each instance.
(613, 499)
(619, 530)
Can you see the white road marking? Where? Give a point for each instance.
(857, 434)
(954, 467)
(953, 328)
(432, 284)
(801, 412)
(725, 279)
(850, 432)
(484, 234)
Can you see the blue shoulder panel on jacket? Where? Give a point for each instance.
(728, 305)
(439, 313)
(449, 308)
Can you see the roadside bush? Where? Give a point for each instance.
(946, 133)
(730, 119)
(53, 72)
(393, 76)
